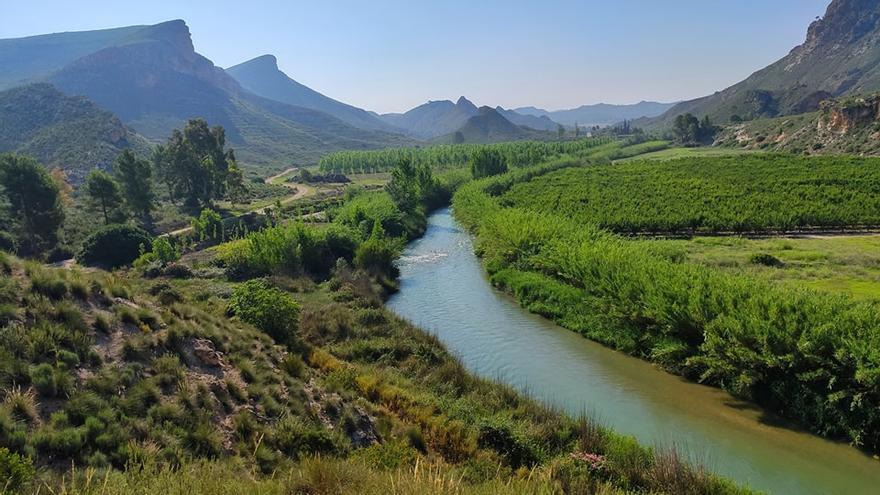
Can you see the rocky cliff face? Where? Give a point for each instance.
(845, 117)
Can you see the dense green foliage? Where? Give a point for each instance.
(114, 246)
(267, 308)
(691, 131)
(486, 163)
(723, 194)
(34, 203)
(292, 249)
(807, 356)
(194, 164)
(516, 154)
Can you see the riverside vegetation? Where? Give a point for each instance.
(808, 356)
(269, 364)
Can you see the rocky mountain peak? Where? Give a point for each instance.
(845, 22)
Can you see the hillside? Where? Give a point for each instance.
(840, 57)
(846, 125)
(434, 118)
(62, 131)
(542, 123)
(262, 77)
(489, 126)
(599, 114)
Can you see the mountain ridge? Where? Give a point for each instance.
(262, 77)
(840, 56)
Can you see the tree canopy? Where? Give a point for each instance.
(34, 203)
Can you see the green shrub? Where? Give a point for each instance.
(209, 225)
(161, 252)
(294, 438)
(377, 254)
(113, 246)
(266, 308)
(48, 283)
(766, 259)
(15, 471)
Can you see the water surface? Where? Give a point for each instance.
(445, 291)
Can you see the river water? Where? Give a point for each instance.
(444, 290)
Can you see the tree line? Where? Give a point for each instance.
(194, 167)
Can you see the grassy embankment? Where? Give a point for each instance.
(805, 355)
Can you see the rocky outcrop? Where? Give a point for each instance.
(843, 117)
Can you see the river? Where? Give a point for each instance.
(444, 290)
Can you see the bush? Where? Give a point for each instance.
(161, 252)
(766, 260)
(266, 308)
(7, 242)
(113, 246)
(209, 225)
(15, 470)
(486, 162)
(377, 254)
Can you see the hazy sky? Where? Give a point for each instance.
(390, 55)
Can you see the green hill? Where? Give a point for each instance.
(62, 131)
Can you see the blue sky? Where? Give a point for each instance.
(390, 55)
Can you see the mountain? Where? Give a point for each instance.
(62, 131)
(489, 126)
(600, 114)
(262, 77)
(539, 123)
(433, 119)
(840, 57)
(34, 58)
(154, 81)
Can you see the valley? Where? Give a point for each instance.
(215, 279)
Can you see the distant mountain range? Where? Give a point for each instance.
(488, 125)
(600, 114)
(433, 119)
(840, 57)
(152, 80)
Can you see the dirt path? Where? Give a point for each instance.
(300, 191)
(277, 176)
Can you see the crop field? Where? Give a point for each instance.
(848, 265)
(516, 154)
(744, 194)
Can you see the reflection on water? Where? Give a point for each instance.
(444, 290)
